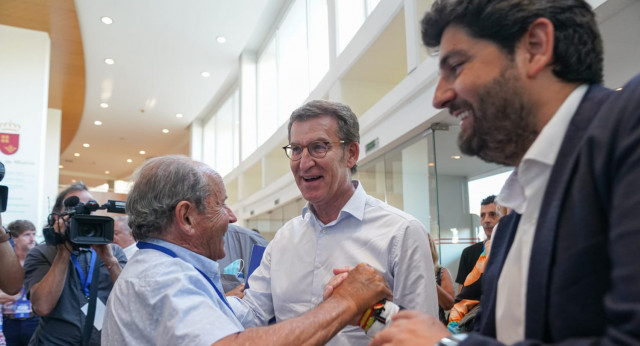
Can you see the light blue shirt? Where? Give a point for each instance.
(161, 300)
(298, 262)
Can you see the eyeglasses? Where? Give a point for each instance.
(317, 149)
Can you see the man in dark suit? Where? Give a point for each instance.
(523, 77)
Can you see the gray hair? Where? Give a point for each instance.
(124, 220)
(348, 126)
(159, 185)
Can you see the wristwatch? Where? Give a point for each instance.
(452, 340)
(4, 235)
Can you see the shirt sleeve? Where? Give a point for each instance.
(36, 266)
(414, 285)
(258, 297)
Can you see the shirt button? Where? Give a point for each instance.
(324, 231)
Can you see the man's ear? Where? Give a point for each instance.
(353, 152)
(184, 215)
(537, 44)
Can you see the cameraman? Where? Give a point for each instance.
(57, 279)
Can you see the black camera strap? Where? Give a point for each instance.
(91, 311)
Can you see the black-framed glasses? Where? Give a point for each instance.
(317, 149)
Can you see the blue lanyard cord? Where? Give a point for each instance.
(85, 281)
(145, 245)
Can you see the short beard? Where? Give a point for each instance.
(503, 124)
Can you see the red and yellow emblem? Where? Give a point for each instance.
(9, 143)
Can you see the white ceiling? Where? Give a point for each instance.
(160, 49)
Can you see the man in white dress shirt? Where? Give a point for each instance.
(340, 226)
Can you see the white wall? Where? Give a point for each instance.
(24, 87)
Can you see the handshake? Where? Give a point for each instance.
(367, 283)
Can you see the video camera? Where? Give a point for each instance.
(82, 228)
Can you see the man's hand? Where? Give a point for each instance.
(363, 287)
(7, 298)
(411, 328)
(340, 275)
(238, 291)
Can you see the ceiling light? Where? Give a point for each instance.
(205, 74)
(98, 122)
(60, 166)
(221, 39)
(106, 20)
(86, 145)
(431, 164)
(456, 157)
(142, 152)
(179, 115)
(104, 105)
(76, 154)
(129, 160)
(165, 130)
(106, 172)
(109, 61)
(618, 89)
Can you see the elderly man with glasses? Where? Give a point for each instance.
(340, 226)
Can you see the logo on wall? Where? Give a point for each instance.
(9, 137)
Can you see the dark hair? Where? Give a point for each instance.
(348, 126)
(577, 51)
(488, 200)
(160, 184)
(17, 227)
(79, 186)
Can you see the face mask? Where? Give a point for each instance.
(234, 268)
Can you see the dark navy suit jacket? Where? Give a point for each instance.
(584, 276)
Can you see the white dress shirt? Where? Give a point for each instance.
(298, 262)
(523, 192)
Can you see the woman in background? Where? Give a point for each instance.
(444, 284)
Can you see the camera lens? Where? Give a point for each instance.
(89, 230)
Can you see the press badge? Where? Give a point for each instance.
(100, 308)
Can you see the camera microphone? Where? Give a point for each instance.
(71, 201)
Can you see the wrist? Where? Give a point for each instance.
(4, 235)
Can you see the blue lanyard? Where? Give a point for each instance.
(85, 281)
(145, 245)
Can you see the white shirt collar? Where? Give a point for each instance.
(544, 150)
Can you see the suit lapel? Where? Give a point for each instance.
(547, 227)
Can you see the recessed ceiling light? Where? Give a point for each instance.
(179, 115)
(104, 105)
(456, 157)
(106, 20)
(60, 166)
(76, 154)
(165, 130)
(106, 172)
(142, 152)
(86, 145)
(618, 89)
(205, 74)
(98, 122)
(221, 39)
(109, 61)
(129, 160)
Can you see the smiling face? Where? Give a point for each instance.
(483, 88)
(324, 182)
(211, 225)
